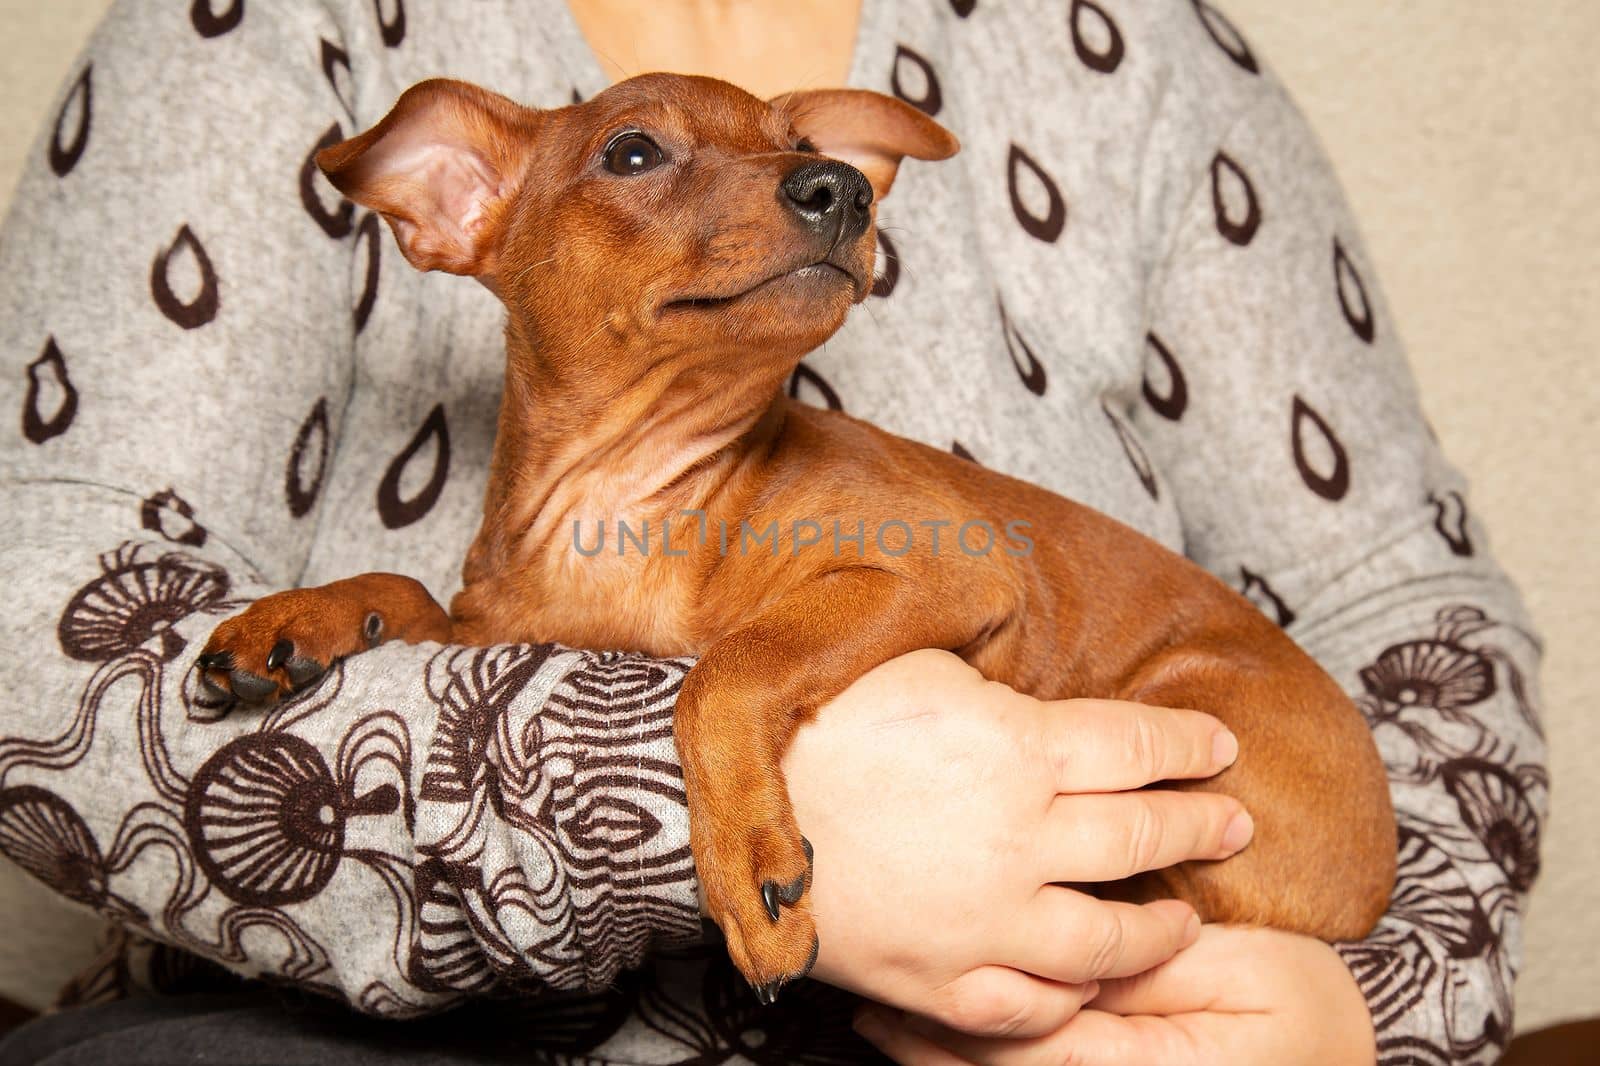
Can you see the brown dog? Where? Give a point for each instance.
(666, 253)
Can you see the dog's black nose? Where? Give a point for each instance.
(830, 196)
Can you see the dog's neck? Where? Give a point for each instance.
(605, 434)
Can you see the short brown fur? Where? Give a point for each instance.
(652, 322)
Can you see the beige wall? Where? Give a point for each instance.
(1466, 133)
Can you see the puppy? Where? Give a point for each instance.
(666, 253)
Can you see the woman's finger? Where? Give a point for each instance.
(997, 1001)
(1187, 982)
(1099, 1038)
(1252, 958)
(1092, 1038)
(888, 1032)
(1064, 935)
(1114, 745)
(1107, 836)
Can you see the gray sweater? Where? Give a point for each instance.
(1138, 285)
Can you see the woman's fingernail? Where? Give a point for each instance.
(1091, 990)
(1238, 833)
(1191, 930)
(1224, 749)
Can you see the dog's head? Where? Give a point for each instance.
(668, 211)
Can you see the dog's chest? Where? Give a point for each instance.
(616, 589)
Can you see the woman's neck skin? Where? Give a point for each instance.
(766, 47)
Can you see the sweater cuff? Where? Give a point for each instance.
(551, 818)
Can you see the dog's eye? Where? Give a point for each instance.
(633, 153)
(805, 146)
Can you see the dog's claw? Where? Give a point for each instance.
(216, 660)
(280, 654)
(767, 994)
(251, 688)
(772, 893)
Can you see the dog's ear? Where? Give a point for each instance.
(870, 131)
(441, 167)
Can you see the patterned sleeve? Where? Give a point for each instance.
(1280, 409)
(428, 822)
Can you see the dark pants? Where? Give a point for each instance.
(265, 1029)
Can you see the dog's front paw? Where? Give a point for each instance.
(756, 880)
(282, 644)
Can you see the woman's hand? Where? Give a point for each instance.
(945, 810)
(1237, 997)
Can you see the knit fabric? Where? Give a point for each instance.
(1138, 285)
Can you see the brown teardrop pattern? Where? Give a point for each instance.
(1171, 404)
(63, 157)
(931, 99)
(1238, 231)
(310, 448)
(963, 8)
(1357, 311)
(883, 283)
(170, 515)
(1228, 39)
(1105, 61)
(335, 57)
(397, 511)
(208, 23)
(338, 222)
(1049, 227)
(1335, 483)
(1450, 519)
(393, 30)
(960, 451)
(1135, 453)
(805, 379)
(369, 236)
(1254, 587)
(48, 374)
(203, 308)
(1029, 369)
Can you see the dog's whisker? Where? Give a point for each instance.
(525, 271)
(597, 330)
